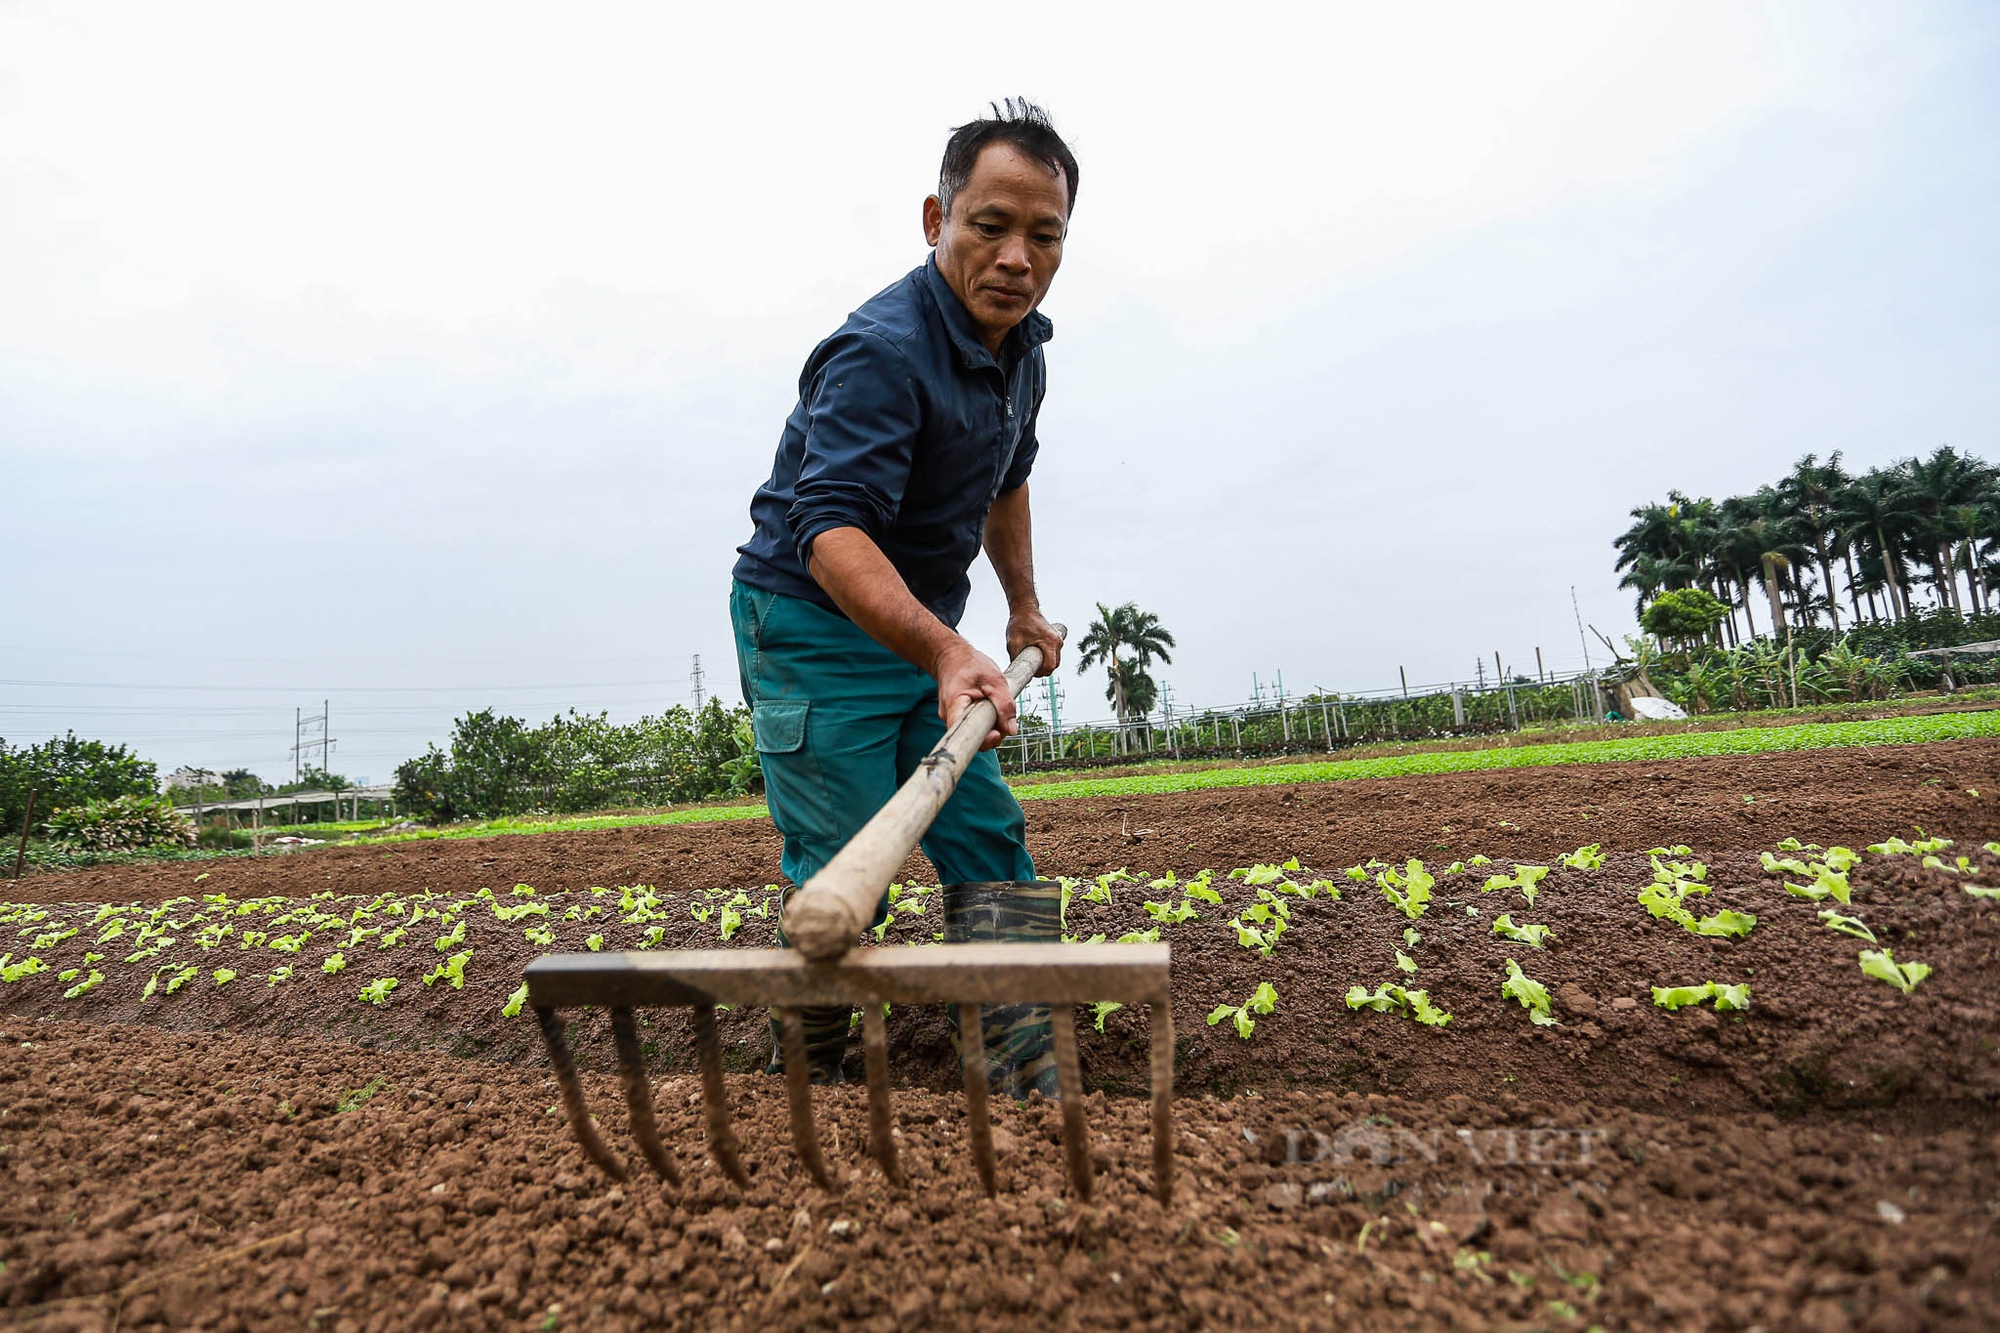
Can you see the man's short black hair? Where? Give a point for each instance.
(1016, 122)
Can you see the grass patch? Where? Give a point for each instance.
(357, 1098)
(1686, 745)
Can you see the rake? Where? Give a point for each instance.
(824, 921)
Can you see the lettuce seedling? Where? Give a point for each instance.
(27, 967)
(291, 943)
(1263, 939)
(1407, 963)
(1532, 994)
(84, 986)
(1726, 924)
(392, 938)
(594, 943)
(1679, 997)
(1525, 878)
(1359, 874)
(653, 937)
(1980, 891)
(1150, 935)
(1726, 997)
(279, 974)
(181, 978)
(1882, 965)
(1102, 1010)
(1531, 935)
(1847, 925)
(1412, 937)
(1098, 938)
(223, 976)
(1897, 847)
(1584, 858)
(1731, 997)
(334, 964)
(1827, 883)
(451, 939)
(1409, 891)
(540, 936)
(732, 921)
(451, 971)
(377, 991)
(1263, 1000)
(1102, 893)
(515, 999)
(1170, 913)
(1391, 998)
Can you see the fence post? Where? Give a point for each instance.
(1457, 708)
(27, 822)
(1326, 725)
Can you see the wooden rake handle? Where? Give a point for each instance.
(831, 909)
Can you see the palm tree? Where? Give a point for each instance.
(1124, 628)
(1810, 491)
(1875, 505)
(1936, 485)
(1760, 535)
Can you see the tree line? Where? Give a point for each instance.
(1820, 543)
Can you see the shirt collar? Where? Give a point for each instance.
(965, 332)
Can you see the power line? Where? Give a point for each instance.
(343, 689)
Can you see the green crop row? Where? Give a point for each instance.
(1686, 745)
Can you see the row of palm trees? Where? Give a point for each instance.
(1822, 536)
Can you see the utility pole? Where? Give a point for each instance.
(1579, 627)
(1541, 672)
(298, 722)
(695, 676)
(1054, 693)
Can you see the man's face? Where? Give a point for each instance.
(1003, 242)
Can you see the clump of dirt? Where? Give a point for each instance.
(166, 1180)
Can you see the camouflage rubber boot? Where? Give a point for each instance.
(1020, 1052)
(826, 1028)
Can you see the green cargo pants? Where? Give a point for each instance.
(840, 722)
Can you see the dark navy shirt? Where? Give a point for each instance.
(908, 429)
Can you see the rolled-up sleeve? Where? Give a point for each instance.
(865, 413)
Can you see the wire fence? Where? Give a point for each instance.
(1313, 722)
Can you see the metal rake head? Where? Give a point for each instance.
(969, 975)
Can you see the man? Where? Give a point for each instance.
(911, 445)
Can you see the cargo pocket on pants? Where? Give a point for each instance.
(778, 726)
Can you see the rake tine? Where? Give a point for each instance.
(1069, 1082)
(639, 1097)
(798, 1093)
(972, 1055)
(554, 1033)
(1163, 1099)
(714, 1100)
(875, 1045)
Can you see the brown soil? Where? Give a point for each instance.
(1533, 813)
(1827, 1160)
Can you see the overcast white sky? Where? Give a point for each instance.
(413, 355)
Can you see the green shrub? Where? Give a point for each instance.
(66, 771)
(122, 823)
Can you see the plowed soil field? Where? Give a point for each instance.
(271, 1151)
